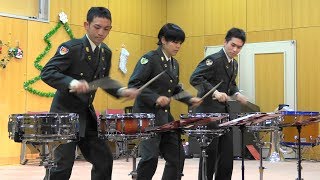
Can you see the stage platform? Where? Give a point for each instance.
(121, 168)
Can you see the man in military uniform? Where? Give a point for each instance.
(213, 69)
(76, 63)
(156, 99)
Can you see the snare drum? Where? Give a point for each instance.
(197, 124)
(263, 122)
(130, 124)
(308, 133)
(49, 127)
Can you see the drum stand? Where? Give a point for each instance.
(260, 144)
(204, 139)
(134, 155)
(204, 142)
(179, 132)
(299, 153)
(48, 162)
(242, 128)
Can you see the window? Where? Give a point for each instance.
(37, 10)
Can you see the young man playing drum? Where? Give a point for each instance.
(156, 99)
(76, 63)
(213, 69)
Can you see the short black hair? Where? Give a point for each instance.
(171, 32)
(98, 12)
(236, 33)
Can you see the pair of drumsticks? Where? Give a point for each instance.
(107, 82)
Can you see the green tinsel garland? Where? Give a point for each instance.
(27, 84)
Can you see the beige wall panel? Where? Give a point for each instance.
(153, 17)
(189, 56)
(57, 6)
(79, 9)
(266, 36)
(147, 44)
(189, 15)
(126, 15)
(308, 65)
(220, 16)
(239, 19)
(35, 102)
(79, 31)
(13, 96)
(268, 15)
(305, 13)
(214, 40)
(269, 78)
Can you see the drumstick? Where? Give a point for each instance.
(151, 80)
(212, 90)
(104, 83)
(180, 95)
(148, 83)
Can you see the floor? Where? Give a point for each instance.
(286, 170)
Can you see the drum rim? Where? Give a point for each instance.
(130, 116)
(200, 115)
(50, 114)
(297, 113)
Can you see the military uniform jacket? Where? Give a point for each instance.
(149, 66)
(74, 60)
(209, 72)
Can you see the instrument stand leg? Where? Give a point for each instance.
(261, 168)
(260, 144)
(299, 152)
(204, 142)
(43, 153)
(179, 132)
(134, 155)
(204, 163)
(23, 159)
(125, 149)
(242, 128)
(48, 162)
